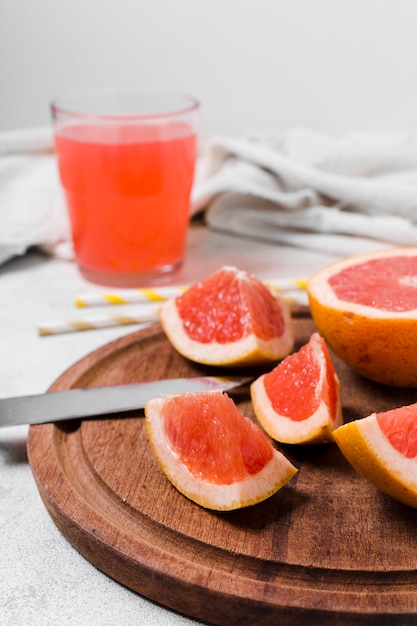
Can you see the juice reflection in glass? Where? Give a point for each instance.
(127, 170)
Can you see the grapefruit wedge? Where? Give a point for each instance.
(366, 309)
(229, 318)
(212, 453)
(383, 448)
(299, 401)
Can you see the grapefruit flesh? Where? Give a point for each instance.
(212, 453)
(366, 309)
(229, 318)
(383, 449)
(388, 286)
(400, 428)
(299, 400)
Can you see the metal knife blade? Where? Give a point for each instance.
(78, 403)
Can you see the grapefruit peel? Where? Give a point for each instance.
(218, 495)
(278, 420)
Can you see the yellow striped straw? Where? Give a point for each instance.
(129, 296)
(133, 296)
(145, 313)
(139, 315)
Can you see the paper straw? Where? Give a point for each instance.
(287, 284)
(93, 322)
(133, 296)
(138, 315)
(129, 296)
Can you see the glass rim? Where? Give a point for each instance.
(58, 106)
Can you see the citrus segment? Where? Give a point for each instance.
(383, 449)
(400, 428)
(299, 400)
(229, 318)
(212, 453)
(366, 309)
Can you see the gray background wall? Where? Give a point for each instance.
(335, 65)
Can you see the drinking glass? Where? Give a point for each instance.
(126, 163)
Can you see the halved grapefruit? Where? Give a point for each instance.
(366, 309)
(383, 448)
(212, 453)
(299, 400)
(229, 318)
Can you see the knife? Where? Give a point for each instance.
(57, 406)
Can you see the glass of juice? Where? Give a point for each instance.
(126, 163)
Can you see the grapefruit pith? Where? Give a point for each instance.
(229, 318)
(366, 309)
(383, 448)
(299, 400)
(212, 453)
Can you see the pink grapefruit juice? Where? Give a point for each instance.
(128, 191)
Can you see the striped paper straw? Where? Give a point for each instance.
(287, 284)
(145, 314)
(129, 296)
(138, 315)
(133, 296)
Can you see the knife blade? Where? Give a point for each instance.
(57, 406)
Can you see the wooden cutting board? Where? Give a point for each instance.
(326, 549)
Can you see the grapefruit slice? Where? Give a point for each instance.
(299, 400)
(212, 453)
(366, 309)
(383, 448)
(229, 318)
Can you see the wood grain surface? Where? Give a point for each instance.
(326, 549)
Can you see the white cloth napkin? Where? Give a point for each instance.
(344, 195)
(32, 207)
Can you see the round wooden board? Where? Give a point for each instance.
(326, 549)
